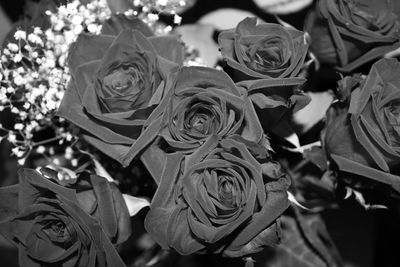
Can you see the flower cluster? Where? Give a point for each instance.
(197, 132)
(110, 77)
(34, 74)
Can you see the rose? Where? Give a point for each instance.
(350, 33)
(219, 199)
(271, 58)
(117, 81)
(365, 138)
(265, 50)
(202, 102)
(52, 225)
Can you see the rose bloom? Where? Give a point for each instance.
(219, 199)
(264, 50)
(203, 102)
(365, 138)
(117, 81)
(350, 33)
(55, 225)
(270, 60)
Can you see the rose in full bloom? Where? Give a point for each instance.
(350, 33)
(203, 102)
(365, 138)
(219, 199)
(117, 81)
(55, 225)
(270, 58)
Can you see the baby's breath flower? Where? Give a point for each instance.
(18, 126)
(40, 149)
(12, 138)
(17, 58)
(177, 19)
(13, 47)
(20, 35)
(34, 38)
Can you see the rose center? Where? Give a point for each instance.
(201, 120)
(267, 54)
(58, 228)
(269, 57)
(227, 192)
(124, 79)
(199, 123)
(58, 232)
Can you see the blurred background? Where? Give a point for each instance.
(363, 238)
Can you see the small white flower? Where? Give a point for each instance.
(35, 75)
(68, 153)
(17, 58)
(10, 90)
(13, 47)
(93, 28)
(40, 149)
(68, 137)
(177, 19)
(59, 25)
(14, 110)
(153, 17)
(18, 126)
(12, 138)
(77, 20)
(21, 161)
(33, 38)
(74, 162)
(78, 29)
(37, 31)
(18, 80)
(20, 35)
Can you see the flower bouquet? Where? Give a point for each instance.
(134, 152)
